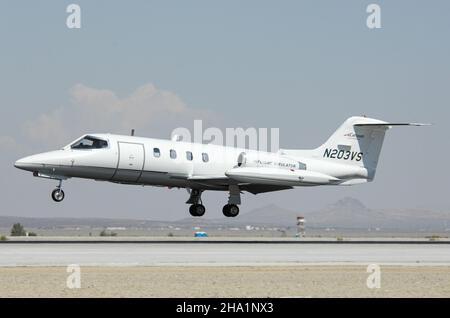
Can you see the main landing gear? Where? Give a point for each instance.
(197, 209)
(58, 193)
(229, 210)
(195, 199)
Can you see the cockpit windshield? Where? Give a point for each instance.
(89, 142)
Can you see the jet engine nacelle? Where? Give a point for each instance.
(275, 176)
(267, 160)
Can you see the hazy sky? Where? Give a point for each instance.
(301, 66)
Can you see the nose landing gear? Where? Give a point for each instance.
(58, 193)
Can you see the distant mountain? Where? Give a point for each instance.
(347, 213)
(352, 214)
(52, 223)
(270, 215)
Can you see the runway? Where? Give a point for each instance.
(221, 254)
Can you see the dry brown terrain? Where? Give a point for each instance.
(295, 281)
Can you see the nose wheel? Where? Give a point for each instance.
(58, 193)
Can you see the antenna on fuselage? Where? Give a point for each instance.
(132, 132)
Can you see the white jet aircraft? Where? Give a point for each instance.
(348, 157)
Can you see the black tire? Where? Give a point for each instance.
(200, 209)
(225, 210)
(58, 195)
(233, 210)
(230, 210)
(197, 210)
(192, 210)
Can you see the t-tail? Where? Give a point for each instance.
(357, 142)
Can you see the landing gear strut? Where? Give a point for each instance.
(58, 193)
(195, 199)
(231, 209)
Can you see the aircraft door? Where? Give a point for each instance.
(131, 162)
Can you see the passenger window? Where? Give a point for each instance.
(173, 154)
(189, 155)
(89, 142)
(205, 157)
(301, 166)
(156, 152)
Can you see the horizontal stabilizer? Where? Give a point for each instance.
(390, 124)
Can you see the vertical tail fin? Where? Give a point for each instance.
(358, 142)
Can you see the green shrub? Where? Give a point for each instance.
(106, 233)
(18, 230)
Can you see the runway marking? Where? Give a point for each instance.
(277, 264)
(222, 254)
(344, 242)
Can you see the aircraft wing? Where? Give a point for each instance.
(208, 178)
(262, 188)
(218, 182)
(215, 181)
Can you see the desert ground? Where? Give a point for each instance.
(220, 281)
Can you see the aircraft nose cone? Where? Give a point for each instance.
(40, 161)
(24, 164)
(18, 164)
